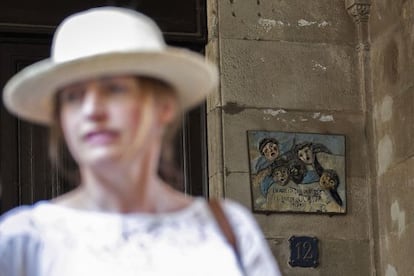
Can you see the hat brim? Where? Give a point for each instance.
(29, 94)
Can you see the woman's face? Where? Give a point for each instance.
(111, 119)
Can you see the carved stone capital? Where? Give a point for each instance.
(358, 9)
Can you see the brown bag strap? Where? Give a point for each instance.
(226, 229)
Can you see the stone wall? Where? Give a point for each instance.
(292, 65)
(392, 62)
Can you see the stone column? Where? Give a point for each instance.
(214, 110)
(359, 10)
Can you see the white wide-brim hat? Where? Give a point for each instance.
(107, 41)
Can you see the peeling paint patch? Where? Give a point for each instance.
(323, 24)
(267, 24)
(274, 112)
(385, 152)
(303, 119)
(322, 117)
(304, 23)
(398, 218)
(391, 271)
(326, 118)
(386, 109)
(318, 66)
(316, 115)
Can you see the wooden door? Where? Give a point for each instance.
(26, 29)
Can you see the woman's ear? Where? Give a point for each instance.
(167, 109)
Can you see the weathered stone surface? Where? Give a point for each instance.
(386, 13)
(351, 125)
(212, 19)
(287, 20)
(289, 75)
(299, 57)
(216, 186)
(349, 257)
(396, 217)
(398, 251)
(392, 33)
(337, 257)
(391, 62)
(214, 142)
(353, 225)
(237, 187)
(395, 129)
(402, 125)
(212, 54)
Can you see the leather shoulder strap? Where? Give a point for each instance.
(223, 223)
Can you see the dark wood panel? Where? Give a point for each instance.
(194, 160)
(23, 158)
(178, 19)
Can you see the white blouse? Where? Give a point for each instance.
(51, 240)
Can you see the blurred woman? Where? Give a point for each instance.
(112, 90)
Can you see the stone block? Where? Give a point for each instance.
(395, 118)
(212, 54)
(287, 20)
(212, 19)
(396, 215)
(215, 142)
(391, 62)
(402, 125)
(345, 257)
(396, 256)
(337, 257)
(266, 74)
(216, 186)
(386, 13)
(395, 192)
(237, 187)
(235, 126)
